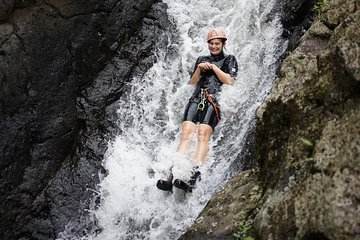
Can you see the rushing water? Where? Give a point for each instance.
(150, 116)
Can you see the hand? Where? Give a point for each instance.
(205, 66)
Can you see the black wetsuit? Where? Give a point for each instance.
(203, 105)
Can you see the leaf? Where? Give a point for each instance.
(245, 228)
(237, 235)
(306, 142)
(248, 238)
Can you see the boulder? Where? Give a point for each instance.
(229, 210)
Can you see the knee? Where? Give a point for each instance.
(186, 134)
(203, 134)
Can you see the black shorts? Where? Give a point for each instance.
(209, 115)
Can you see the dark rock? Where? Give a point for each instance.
(241, 194)
(54, 57)
(296, 18)
(6, 7)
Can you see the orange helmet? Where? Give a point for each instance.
(216, 33)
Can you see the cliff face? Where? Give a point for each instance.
(58, 80)
(311, 172)
(306, 185)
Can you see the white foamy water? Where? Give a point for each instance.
(150, 116)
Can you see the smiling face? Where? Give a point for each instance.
(216, 46)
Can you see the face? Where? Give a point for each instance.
(215, 46)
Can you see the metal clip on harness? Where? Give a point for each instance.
(201, 104)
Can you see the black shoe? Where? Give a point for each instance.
(195, 174)
(189, 185)
(183, 185)
(164, 185)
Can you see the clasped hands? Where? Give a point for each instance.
(204, 66)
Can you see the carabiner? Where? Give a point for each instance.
(201, 105)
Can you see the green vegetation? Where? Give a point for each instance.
(306, 142)
(320, 5)
(310, 147)
(243, 233)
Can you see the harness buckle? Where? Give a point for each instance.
(201, 104)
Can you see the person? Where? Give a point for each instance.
(203, 111)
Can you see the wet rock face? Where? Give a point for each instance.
(228, 210)
(6, 8)
(296, 18)
(311, 171)
(54, 111)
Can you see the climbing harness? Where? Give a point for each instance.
(204, 95)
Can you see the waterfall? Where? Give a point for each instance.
(150, 116)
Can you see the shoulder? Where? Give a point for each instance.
(230, 60)
(230, 57)
(231, 65)
(202, 58)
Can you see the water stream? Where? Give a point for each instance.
(150, 116)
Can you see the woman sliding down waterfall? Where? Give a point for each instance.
(209, 74)
(150, 114)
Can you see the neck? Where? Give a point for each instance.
(219, 56)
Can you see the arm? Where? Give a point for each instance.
(226, 77)
(222, 76)
(228, 72)
(196, 76)
(200, 67)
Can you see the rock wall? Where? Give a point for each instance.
(311, 173)
(307, 144)
(296, 18)
(59, 78)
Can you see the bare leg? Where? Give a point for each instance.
(204, 134)
(187, 132)
(188, 129)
